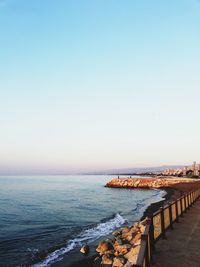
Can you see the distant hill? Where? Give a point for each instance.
(155, 170)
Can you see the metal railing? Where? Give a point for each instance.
(161, 221)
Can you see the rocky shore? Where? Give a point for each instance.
(121, 249)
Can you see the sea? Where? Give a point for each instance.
(44, 220)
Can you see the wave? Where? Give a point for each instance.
(140, 207)
(86, 236)
(160, 194)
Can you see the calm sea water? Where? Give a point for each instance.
(45, 219)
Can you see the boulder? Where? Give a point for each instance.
(117, 232)
(137, 182)
(102, 247)
(128, 264)
(122, 249)
(126, 229)
(109, 252)
(136, 239)
(118, 262)
(129, 235)
(132, 255)
(84, 249)
(116, 253)
(106, 260)
(142, 228)
(119, 240)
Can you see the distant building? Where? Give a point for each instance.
(189, 171)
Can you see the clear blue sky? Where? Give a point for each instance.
(90, 85)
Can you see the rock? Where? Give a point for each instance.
(84, 249)
(134, 233)
(106, 260)
(128, 236)
(122, 249)
(142, 228)
(136, 240)
(128, 264)
(119, 240)
(109, 252)
(118, 262)
(132, 255)
(102, 247)
(125, 241)
(116, 253)
(117, 232)
(125, 230)
(137, 182)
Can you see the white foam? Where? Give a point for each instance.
(161, 194)
(85, 236)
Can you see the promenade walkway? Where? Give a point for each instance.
(182, 246)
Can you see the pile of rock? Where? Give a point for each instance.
(123, 249)
(159, 182)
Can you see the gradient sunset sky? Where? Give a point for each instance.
(99, 84)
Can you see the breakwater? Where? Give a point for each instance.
(158, 182)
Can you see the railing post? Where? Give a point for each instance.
(170, 216)
(185, 203)
(151, 240)
(181, 205)
(186, 197)
(189, 200)
(176, 205)
(191, 203)
(192, 194)
(162, 223)
(147, 260)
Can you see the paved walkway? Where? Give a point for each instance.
(182, 246)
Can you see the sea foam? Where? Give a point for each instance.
(86, 236)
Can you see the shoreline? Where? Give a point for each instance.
(153, 207)
(174, 188)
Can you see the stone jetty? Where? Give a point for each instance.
(158, 182)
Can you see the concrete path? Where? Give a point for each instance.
(182, 246)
